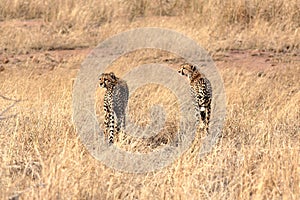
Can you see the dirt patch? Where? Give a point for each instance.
(253, 60)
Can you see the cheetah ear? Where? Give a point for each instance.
(193, 67)
(112, 75)
(100, 76)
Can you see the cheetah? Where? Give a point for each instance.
(201, 93)
(115, 103)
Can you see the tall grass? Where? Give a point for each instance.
(41, 156)
(216, 24)
(228, 11)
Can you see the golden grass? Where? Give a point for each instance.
(258, 158)
(215, 24)
(41, 156)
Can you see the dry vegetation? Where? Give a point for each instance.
(256, 48)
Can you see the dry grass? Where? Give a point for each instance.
(215, 24)
(258, 157)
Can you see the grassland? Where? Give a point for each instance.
(255, 45)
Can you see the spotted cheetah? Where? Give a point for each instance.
(115, 103)
(201, 92)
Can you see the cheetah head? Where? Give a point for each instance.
(107, 80)
(187, 69)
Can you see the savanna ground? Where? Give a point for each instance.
(255, 45)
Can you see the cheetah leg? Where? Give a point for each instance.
(207, 118)
(111, 128)
(203, 117)
(118, 125)
(122, 125)
(123, 122)
(197, 111)
(106, 122)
